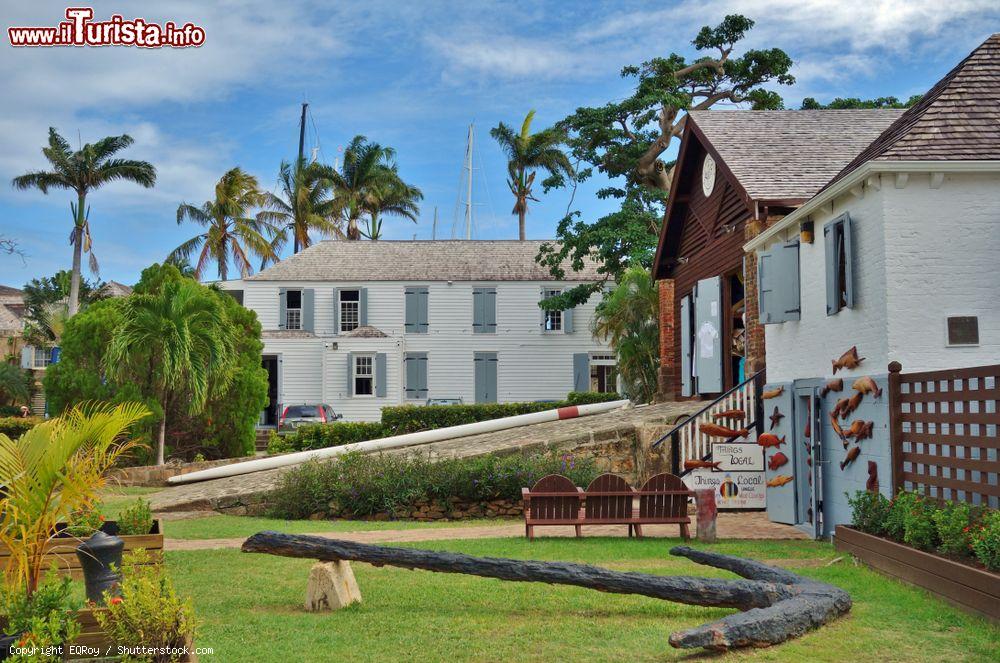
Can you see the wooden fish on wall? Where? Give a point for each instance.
(860, 430)
(872, 484)
(837, 429)
(848, 360)
(852, 455)
(838, 409)
(716, 430)
(768, 440)
(730, 414)
(776, 461)
(779, 480)
(808, 430)
(866, 385)
(832, 385)
(773, 393)
(699, 464)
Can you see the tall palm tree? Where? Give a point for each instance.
(368, 184)
(179, 332)
(526, 153)
(82, 171)
(628, 318)
(233, 231)
(307, 205)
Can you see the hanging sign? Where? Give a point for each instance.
(733, 490)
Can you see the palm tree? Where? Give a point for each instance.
(179, 332)
(527, 152)
(82, 171)
(14, 386)
(628, 318)
(307, 206)
(233, 232)
(369, 184)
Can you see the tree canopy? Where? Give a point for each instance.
(840, 103)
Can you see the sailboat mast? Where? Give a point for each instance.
(468, 189)
(298, 164)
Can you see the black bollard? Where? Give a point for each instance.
(101, 559)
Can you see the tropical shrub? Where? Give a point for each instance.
(15, 387)
(919, 529)
(83, 522)
(952, 524)
(148, 613)
(45, 618)
(986, 540)
(367, 484)
(588, 397)
(17, 426)
(333, 435)
(895, 520)
(136, 519)
(869, 511)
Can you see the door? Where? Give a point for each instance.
(269, 417)
(686, 380)
(809, 460)
(708, 335)
(485, 376)
(782, 500)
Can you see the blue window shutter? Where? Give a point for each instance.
(490, 311)
(568, 321)
(363, 306)
(416, 374)
(27, 355)
(581, 371)
(790, 282)
(308, 307)
(478, 312)
(350, 373)
(765, 291)
(423, 301)
(849, 260)
(831, 259)
(686, 347)
(336, 311)
(380, 375)
(778, 283)
(410, 306)
(282, 307)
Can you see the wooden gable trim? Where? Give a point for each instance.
(658, 271)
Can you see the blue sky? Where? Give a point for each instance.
(409, 75)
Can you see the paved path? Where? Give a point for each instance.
(750, 525)
(231, 492)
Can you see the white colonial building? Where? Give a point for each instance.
(362, 325)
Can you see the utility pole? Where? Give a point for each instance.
(298, 166)
(468, 199)
(434, 227)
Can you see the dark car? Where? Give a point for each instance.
(293, 416)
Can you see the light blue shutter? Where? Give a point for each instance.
(568, 321)
(380, 375)
(308, 307)
(781, 500)
(831, 245)
(490, 310)
(686, 346)
(423, 321)
(416, 310)
(363, 306)
(27, 353)
(485, 372)
(336, 311)
(708, 330)
(410, 307)
(478, 311)
(778, 283)
(581, 371)
(849, 260)
(350, 374)
(282, 308)
(416, 374)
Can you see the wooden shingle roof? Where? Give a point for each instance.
(957, 120)
(789, 154)
(420, 260)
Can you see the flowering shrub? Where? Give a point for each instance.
(84, 522)
(44, 620)
(986, 540)
(953, 530)
(366, 484)
(918, 524)
(136, 519)
(869, 511)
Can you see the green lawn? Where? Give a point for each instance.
(233, 527)
(251, 609)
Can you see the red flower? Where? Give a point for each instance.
(116, 600)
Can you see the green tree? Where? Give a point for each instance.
(46, 310)
(368, 185)
(83, 171)
(626, 139)
(306, 205)
(233, 232)
(182, 337)
(527, 153)
(810, 103)
(628, 318)
(14, 386)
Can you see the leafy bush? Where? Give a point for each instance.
(366, 484)
(869, 511)
(919, 530)
(14, 427)
(136, 519)
(588, 397)
(986, 540)
(899, 506)
(45, 618)
(148, 613)
(84, 522)
(952, 523)
(332, 435)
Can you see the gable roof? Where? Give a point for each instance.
(420, 260)
(115, 289)
(788, 155)
(9, 295)
(957, 120)
(10, 322)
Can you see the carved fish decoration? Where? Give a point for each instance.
(848, 360)
(860, 430)
(776, 418)
(866, 385)
(852, 455)
(698, 464)
(855, 401)
(768, 440)
(838, 409)
(730, 414)
(872, 484)
(837, 429)
(773, 393)
(832, 385)
(779, 480)
(716, 430)
(776, 461)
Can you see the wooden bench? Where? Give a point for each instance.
(608, 500)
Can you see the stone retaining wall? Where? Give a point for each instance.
(156, 475)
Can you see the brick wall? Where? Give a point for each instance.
(668, 360)
(755, 331)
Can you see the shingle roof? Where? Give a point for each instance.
(9, 295)
(366, 331)
(789, 154)
(115, 289)
(421, 260)
(9, 321)
(957, 120)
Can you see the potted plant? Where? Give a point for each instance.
(37, 625)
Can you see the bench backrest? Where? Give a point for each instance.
(609, 506)
(562, 507)
(663, 506)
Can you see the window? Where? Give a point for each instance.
(603, 373)
(553, 319)
(364, 375)
(839, 248)
(350, 310)
(42, 357)
(293, 309)
(963, 330)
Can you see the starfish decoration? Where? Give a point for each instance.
(776, 417)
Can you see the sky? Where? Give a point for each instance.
(412, 76)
